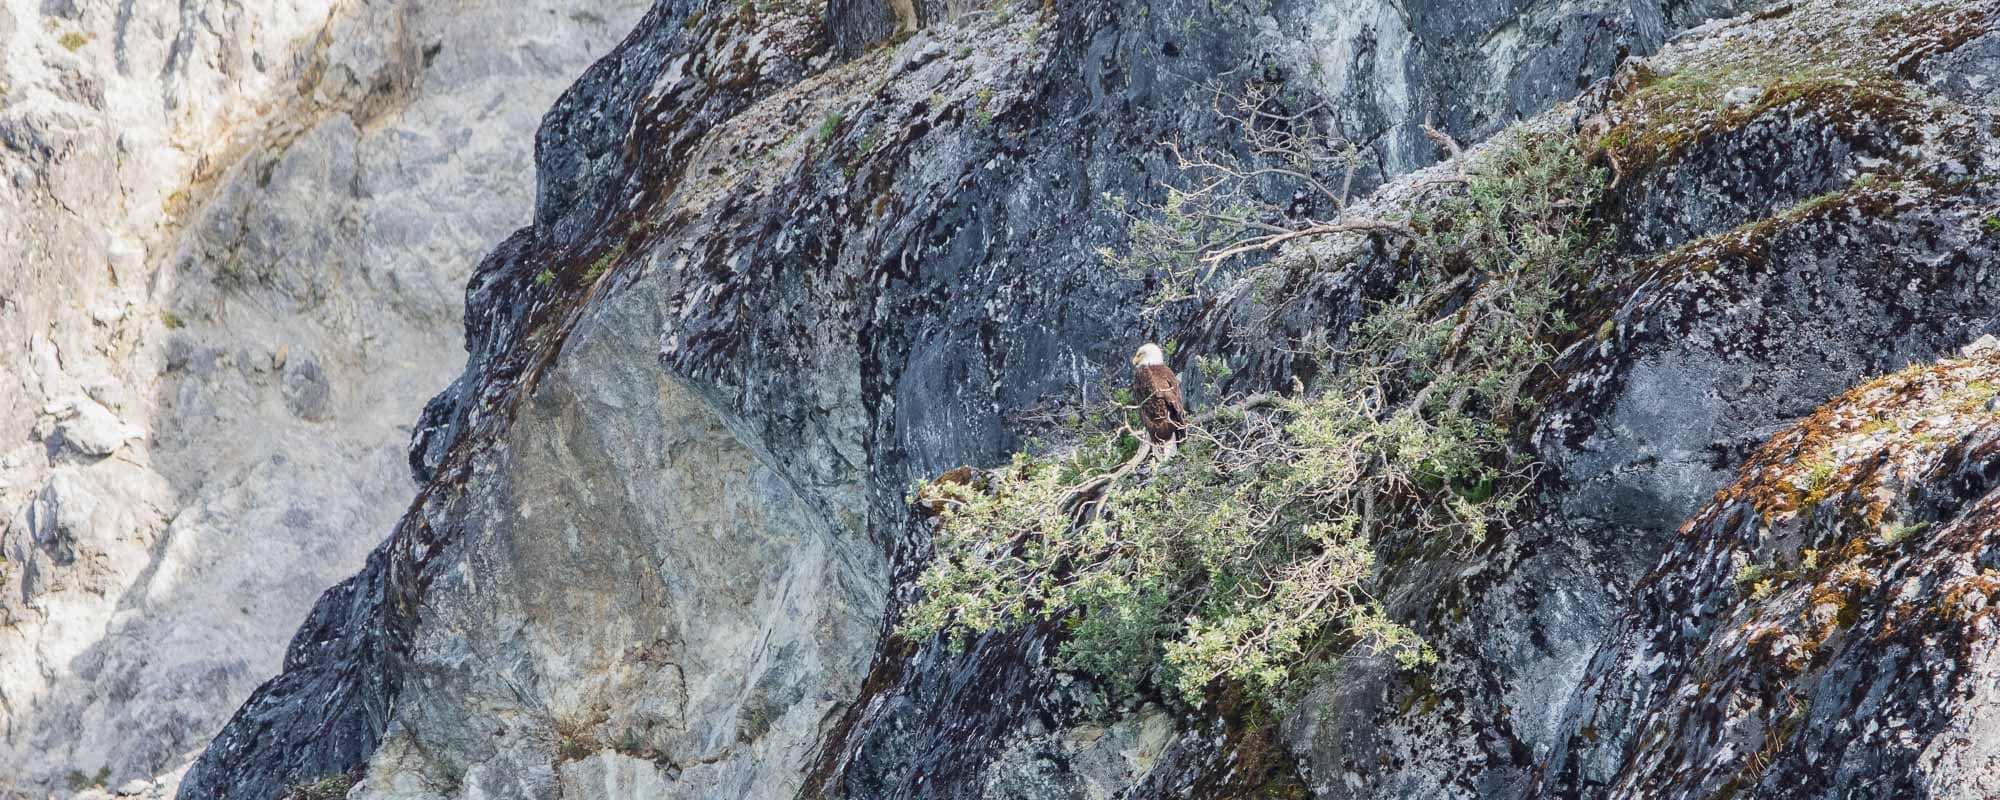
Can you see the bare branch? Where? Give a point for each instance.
(1241, 174)
(1259, 243)
(1258, 400)
(1450, 145)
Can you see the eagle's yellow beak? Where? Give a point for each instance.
(1135, 359)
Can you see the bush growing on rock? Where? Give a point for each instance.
(78, 780)
(330, 787)
(1251, 557)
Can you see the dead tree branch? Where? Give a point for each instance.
(1269, 241)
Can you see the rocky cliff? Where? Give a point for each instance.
(787, 259)
(234, 238)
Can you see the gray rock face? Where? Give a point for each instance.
(1770, 278)
(237, 236)
(1817, 635)
(775, 275)
(664, 594)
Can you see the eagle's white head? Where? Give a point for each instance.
(1149, 355)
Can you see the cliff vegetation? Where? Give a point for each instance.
(1250, 556)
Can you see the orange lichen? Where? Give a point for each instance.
(1969, 597)
(1780, 647)
(1855, 450)
(1836, 480)
(1853, 550)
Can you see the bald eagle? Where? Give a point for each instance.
(1158, 391)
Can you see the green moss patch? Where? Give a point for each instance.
(1817, 62)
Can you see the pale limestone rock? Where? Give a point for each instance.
(609, 775)
(89, 428)
(198, 186)
(1742, 96)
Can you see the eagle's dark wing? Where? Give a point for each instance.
(1158, 391)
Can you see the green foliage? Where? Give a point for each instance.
(545, 278)
(330, 787)
(1168, 241)
(1818, 478)
(829, 126)
(1898, 533)
(78, 781)
(1518, 230)
(982, 111)
(1518, 214)
(1249, 556)
(1213, 368)
(598, 267)
(1235, 201)
(172, 320)
(73, 41)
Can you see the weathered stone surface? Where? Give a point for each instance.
(89, 428)
(236, 237)
(1820, 627)
(663, 594)
(1768, 272)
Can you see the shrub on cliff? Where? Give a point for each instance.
(330, 787)
(1252, 555)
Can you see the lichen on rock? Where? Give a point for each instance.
(1821, 607)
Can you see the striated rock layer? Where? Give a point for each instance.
(775, 275)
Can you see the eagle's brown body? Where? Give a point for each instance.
(1158, 391)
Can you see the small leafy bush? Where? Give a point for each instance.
(79, 781)
(603, 263)
(329, 787)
